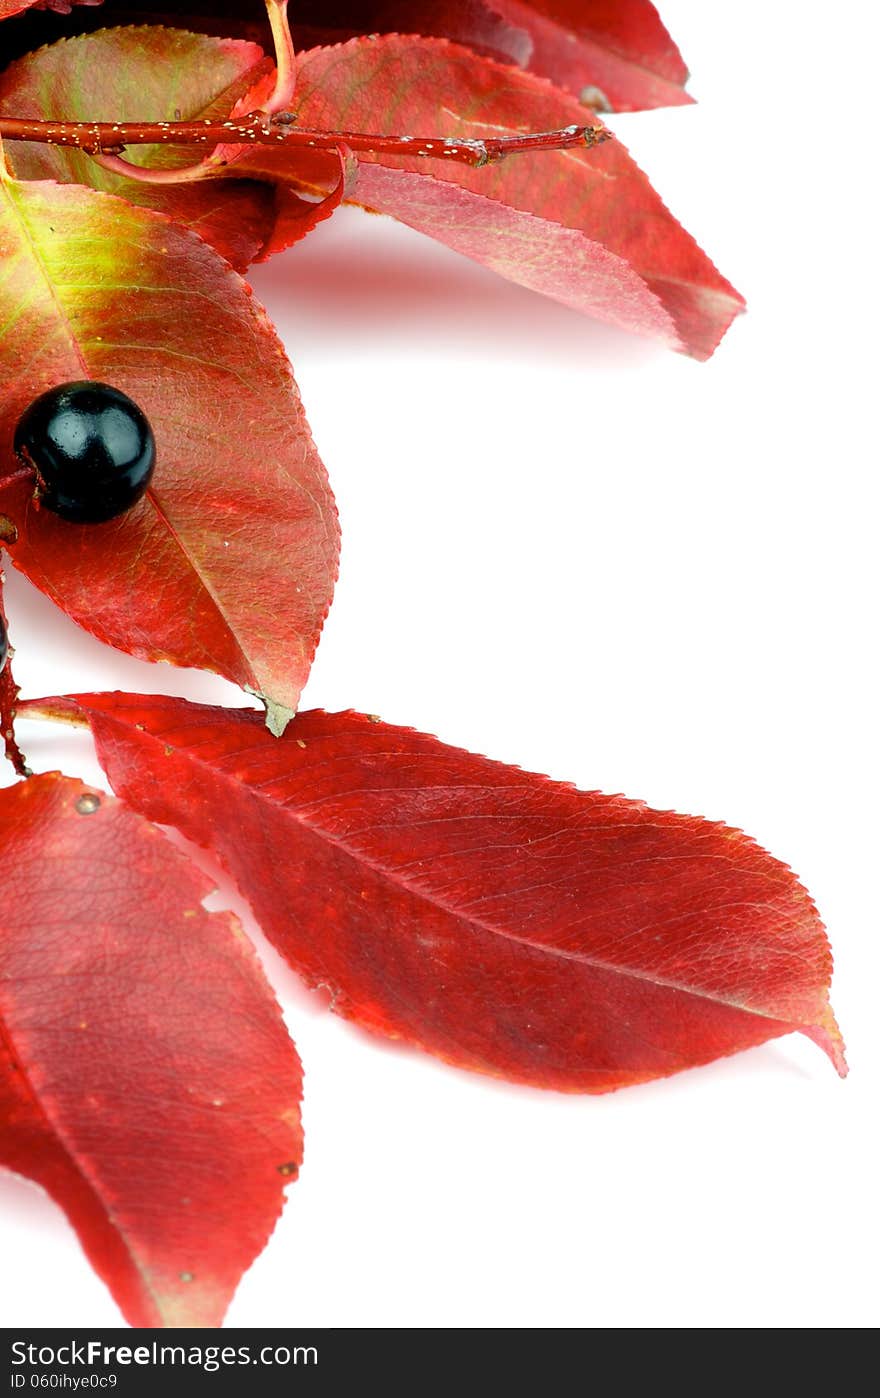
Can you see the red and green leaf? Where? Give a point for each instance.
(145, 74)
(502, 921)
(618, 46)
(229, 562)
(144, 1063)
(582, 226)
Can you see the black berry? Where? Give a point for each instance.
(92, 449)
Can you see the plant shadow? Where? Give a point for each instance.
(363, 281)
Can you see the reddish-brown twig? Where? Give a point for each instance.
(258, 129)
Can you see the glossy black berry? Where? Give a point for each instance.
(92, 449)
(4, 646)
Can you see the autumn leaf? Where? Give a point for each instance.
(144, 1063)
(145, 74)
(502, 921)
(545, 257)
(619, 47)
(584, 227)
(228, 564)
(149, 73)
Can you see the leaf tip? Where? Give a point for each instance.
(277, 715)
(828, 1037)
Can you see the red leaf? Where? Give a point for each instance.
(229, 562)
(502, 921)
(297, 217)
(146, 1078)
(554, 261)
(588, 228)
(126, 75)
(618, 46)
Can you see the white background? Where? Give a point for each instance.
(574, 551)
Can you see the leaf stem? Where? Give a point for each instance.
(285, 58)
(261, 129)
(281, 97)
(145, 174)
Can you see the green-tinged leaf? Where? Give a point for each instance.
(229, 562)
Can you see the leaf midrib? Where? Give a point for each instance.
(30, 239)
(9, 186)
(433, 900)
